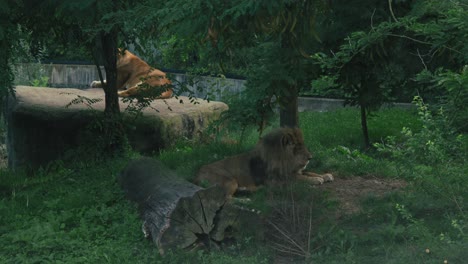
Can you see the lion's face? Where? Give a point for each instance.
(285, 152)
(301, 157)
(121, 58)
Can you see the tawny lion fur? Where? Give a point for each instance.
(134, 75)
(280, 156)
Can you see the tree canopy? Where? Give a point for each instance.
(374, 66)
(367, 52)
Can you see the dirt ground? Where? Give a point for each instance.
(349, 192)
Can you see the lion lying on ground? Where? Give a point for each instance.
(134, 75)
(280, 156)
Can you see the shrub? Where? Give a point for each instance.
(434, 158)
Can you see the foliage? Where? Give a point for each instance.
(77, 213)
(442, 28)
(104, 136)
(435, 143)
(243, 37)
(434, 158)
(297, 221)
(360, 69)
(73, 213)
(367, 69)
(40, 82)
(8, 33)
(454, 99)
(33, 74)
(85, 23)
(341, 23)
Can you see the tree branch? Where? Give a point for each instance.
(391, 10)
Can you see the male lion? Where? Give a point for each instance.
(133, 75)
(280, 156)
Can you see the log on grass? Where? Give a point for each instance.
(176, 213)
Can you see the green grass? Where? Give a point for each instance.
(76, 213)
(336, 140)
(343, 127)
(79, 215)
(324, 133)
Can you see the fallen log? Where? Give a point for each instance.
(176, 213)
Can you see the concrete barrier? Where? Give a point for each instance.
(216, 88)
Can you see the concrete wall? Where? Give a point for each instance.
(201, 86)
(59, 75)
(80, 76)
(218, 89)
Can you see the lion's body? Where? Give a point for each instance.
(133, 74)
(280, 156)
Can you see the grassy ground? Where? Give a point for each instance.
(77, 213)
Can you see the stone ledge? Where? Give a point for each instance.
(40, 127)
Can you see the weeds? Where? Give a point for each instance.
(42, 81)
(296, 214)
(434, 158)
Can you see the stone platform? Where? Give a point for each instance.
(40, 127)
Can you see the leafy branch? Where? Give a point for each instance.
(88, 102)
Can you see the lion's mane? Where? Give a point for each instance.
(283, 152)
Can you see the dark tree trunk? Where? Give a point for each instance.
(365, 132)
(109, 52)
(289, 115)
(111, 130)
(176, 213)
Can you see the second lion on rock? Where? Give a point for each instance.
(280, 156)
(135, 76)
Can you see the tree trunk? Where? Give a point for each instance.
(365, 132)
(289, 115)
(112, 128)
(176, 213)
(109, 52)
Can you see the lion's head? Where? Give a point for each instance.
(284, 153)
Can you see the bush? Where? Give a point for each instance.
(454, 89)
(433, 159)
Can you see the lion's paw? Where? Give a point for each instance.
(95, 84)
(315, 180)
(123, 93)
(328, 177)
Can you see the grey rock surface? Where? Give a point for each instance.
(40, 125)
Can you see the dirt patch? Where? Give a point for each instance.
(287, 234)
(350, 191)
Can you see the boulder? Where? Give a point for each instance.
(42, 123)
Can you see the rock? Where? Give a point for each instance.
(40, 127)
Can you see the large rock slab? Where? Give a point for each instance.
(40, 126)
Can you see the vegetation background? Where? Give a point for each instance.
(365, 52)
